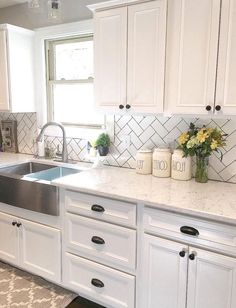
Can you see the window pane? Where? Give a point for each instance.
(74, 60)
(74, 103)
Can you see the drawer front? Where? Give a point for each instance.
(102, 284)
(101, 241)
(211, 235)
(106, 209)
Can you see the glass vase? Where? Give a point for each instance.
(201, 174)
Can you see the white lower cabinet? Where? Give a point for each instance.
(164, 274)
(40, 249)
(211, 280)
(177, 276)
(99, 249)
(99, 283)
(9, 240)
(32, 246)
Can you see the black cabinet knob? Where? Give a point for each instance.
(192, 256)
(14, 223)
(218, 107)
(98, 240)
(208, 108)
(121, 106)
(189, 230)
(127, 106)
(19, 224)
(97, 208)
(97, 283)
(182, 253)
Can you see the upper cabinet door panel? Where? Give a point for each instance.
(4, 90)
(110, 43)
(192, 42)
(226, 75)
(146, 56)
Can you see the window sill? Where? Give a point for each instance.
(83, 133)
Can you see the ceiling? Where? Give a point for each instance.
(5, 3)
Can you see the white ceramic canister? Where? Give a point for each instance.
(144, 161)
(181, 167)
(161, 162)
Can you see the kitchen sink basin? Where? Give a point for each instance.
(52, 174)
(28, 186)
(25, 168)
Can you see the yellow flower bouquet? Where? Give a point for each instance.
(201, 142)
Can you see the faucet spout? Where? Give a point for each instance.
(64, 146)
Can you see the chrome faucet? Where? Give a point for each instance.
(64, 146)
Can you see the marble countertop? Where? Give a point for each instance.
(212, 200)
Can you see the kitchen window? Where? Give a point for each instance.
(70, 82)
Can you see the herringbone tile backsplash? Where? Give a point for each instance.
(144, 131)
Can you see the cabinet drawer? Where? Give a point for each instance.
(101, 241)
(106, 209)
(102, 284)
(211, 235)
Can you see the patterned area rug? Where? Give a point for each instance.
(20, 289)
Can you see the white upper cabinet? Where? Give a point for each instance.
(110, 44)
(4, 87)
(191, 58)
(201, 57)
(146, 56)
(130, 57)
(226, 74)
(17, 69)
(185, 64)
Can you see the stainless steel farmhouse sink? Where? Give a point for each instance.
(25, 168)
(28, 186)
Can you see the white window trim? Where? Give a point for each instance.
(57, 32)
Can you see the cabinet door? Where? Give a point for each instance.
(146, 56)
(226, 75)
(40, 250)
(110, 47)
(164, 274)
(9, 243)
(211, 280)
(191, 59)
(4, 89)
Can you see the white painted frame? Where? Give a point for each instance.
(50, 33)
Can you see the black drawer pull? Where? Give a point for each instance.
(192, 256)
(97, 240)
(97, 283)
(19, 224)
(97, 208)
(189, 230)
(14, 223)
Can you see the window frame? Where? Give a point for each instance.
(54, 32)
(50, 46)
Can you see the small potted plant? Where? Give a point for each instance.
(102, 144)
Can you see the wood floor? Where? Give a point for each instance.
(81, 302)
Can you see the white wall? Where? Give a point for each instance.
(20, 15)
